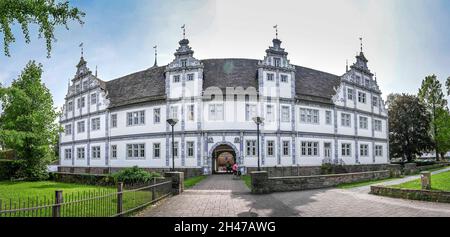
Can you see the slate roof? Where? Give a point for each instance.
(149, 84)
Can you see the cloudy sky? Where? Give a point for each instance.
(404, 40)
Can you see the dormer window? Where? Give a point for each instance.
(277, 62)
(284, 78)
(190, 77)
(183, 62)
(176, 78)
(270, 76)
(367, 82)
(85, 85)
(77, 88)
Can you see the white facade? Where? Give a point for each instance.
(346, 129)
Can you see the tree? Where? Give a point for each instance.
(443, 137)
(45, 13)
(431, 95)
(447, 83)
(28, 123)
(409, 122)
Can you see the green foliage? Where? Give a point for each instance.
(409, 123)
(442, 124)
(8, 169)
(447, 84)
(134, 175)
(326, 168)
(438, 182)
(190, 182)
(46, 14)
(27, 125)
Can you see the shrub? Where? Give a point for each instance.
(134, 175)
(8, 169)
(326, 168)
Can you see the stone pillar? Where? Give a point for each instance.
(177, 181)
(425, 178)
(259, 182)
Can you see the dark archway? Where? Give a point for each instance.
(222, 156)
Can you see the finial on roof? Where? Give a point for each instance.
(361, 40)
(346, 65)
(156, 55)
(81, 46)
(276, 31)
(184, 31)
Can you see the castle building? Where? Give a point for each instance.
(310, 117)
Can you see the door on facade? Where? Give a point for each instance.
(223, 157)
(327, 150)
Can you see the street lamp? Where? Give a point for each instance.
(258, 120)
(172, 123)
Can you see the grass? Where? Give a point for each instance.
(364, 183)
(439, 182)
(247, 180)
(16, 195)
(190, 182)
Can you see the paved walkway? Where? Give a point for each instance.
(221, 195)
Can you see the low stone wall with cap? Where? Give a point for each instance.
(422, 195)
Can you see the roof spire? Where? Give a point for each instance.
(346, 65)
(81, 46)
(276, 31)
(361, 40)
(156, 55)
(184, 31)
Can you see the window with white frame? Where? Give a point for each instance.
(80, 102)
(183, 62)
(80, 127)
(68, 129)
(190, 149)
(68, 154)
(190, 76)
(113, 152)
(270, 147)
(95, 152)
(377, 125)
(328, 117)
(277, 62)
(176, 78)
(286, 148)
(309, 116)
(363, 122)
(375, 101)
(270, 76)
(367, 82)
(250, 112)
(350, 94)
(175, 150)
(95, 124)
(156, 115)
(114, 120)
(364, 150)
(70, 106)
(250, 147)
(136, 118)
(378, 150)
(269, 113)
(310, 148)
(80, 153)
(361, 97)
(284, 78)
(190, 112)
(285, 114)
(216, 112)
(85, 85)
(174, 112)
(346, 120)
(135, 151)
(77, 87)
(156, 150)
(93, 98)
(346, 149)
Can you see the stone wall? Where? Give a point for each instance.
(261, 183)
(422, 195)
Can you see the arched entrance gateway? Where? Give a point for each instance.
(222, 155)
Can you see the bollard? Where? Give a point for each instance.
(58, 202)
(119, 198)
(425, 178)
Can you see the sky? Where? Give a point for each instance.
(404, 40)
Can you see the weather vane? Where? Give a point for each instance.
(81, 46)
(184, 31)
(276, 30)
(361, 39)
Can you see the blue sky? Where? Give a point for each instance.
(404, 40)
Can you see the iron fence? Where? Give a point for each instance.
(103, 202)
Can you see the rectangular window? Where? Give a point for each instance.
(285, 114)
(183, 62)
(270, 151)
(215, 112)
(277, 62)
(286, 148)
(113, 152)
(156, 150)
(270, 76)
(175, 150)
(80, 153)
(190, 112)
(77, 88)
(81, 102)
(364, 150)
(114, 120)
(70, 106)
(346, 120)
(67, 154)
(95, 152)
(310, 148)
(251, 147)
(346, 149)
(327, 150)
(136, 118)
(85, 85)
(377, 125)
(362, 97)
(135, 151)
(68, 129)
(80, 127)
(157, 115)
(190, 77)
(93, 98)
(174, 112)
(190, 149)
(328, 117)
(378, 150)
(363, 122)
(250, 112)
(309, 116)
(270, 113)
(367, 82)
(350, 94)
(95, 124)
(176, 78)
(284, 78)
(375, 101)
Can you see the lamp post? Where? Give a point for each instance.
(172, 123)
(258, 120)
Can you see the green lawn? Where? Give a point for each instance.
(247, 180)
(16, 195)
(365, 183)
(438, 182)
(190, 182)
